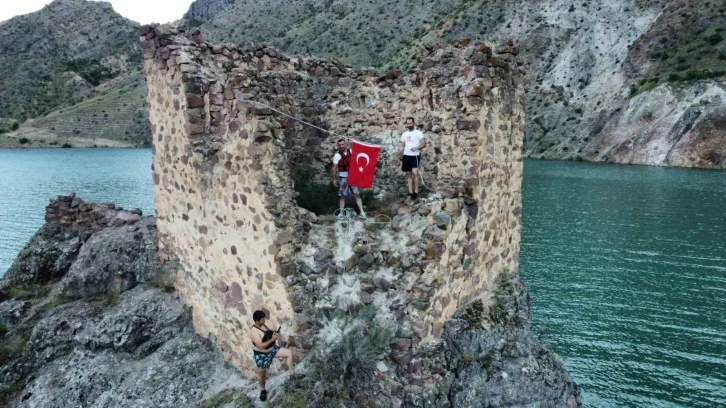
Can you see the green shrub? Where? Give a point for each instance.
(92, 71)
(697, 74)
(15, 126)
(67, 145)
(228, 396)
(14, 346)
(342, 374)
(23, 140)
(714, 39)
(59, 300)
(320, 198)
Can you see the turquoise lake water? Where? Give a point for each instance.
(29, 177)
(626, 268)
(626, 265)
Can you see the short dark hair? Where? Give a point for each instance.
(340, 140)
(258, 315)
(412, 119)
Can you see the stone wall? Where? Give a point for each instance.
(224, 195)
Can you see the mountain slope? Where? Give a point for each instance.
(637, 82)
(71, 52)
(361, 33)
(627, 81)
(205, 11)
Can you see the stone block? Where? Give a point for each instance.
(443, 220)
(365, 262)
(471, 125)
(382, 284)
(351, 262)
(194, 101)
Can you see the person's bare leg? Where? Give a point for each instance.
(359, 202)
(409, 181)
(417, 181)
(341, 204)
(286, 354)
(263, 379)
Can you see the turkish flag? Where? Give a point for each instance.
(363, 160)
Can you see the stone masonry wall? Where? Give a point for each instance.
(224, 195)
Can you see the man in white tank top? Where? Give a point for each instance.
(412, 141)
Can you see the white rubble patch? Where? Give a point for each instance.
(346, 292)
(346, 234)
(318, 238)
(382, 303)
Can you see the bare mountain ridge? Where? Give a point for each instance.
(621, 81)
(66, 69)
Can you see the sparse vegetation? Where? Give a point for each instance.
(644, 85)
(696, 74)
(59, 300)
(113, 297)
(229, 396)
(314, 195)
(714, 38)
(343, 374)
(14, 345)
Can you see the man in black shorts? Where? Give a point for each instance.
(412, 141)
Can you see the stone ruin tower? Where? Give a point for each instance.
(225, 200)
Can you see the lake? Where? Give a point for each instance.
(626, 268)
(626, 265)
(29, 177)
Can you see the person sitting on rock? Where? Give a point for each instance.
(412, 141)
(339, 175)
(265, 348)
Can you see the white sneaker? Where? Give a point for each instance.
(340, 217)
(362, 216)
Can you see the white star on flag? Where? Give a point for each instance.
(361, 169)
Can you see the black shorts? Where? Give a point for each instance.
(410, 162)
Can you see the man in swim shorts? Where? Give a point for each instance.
(339, 176)
(266, 349)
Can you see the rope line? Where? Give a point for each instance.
(294, 118)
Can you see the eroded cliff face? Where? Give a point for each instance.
(588, 59)
(226, 210)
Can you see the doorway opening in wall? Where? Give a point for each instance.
(315, 192)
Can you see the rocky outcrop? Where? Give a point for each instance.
(115, 259)
(47, 257)
(492, 359)
(111, 345)
(201, 11)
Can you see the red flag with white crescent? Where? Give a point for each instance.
(364, 158)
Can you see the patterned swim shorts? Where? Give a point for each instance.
(263, 360)
(344, 189)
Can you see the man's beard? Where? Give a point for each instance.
(410, 127)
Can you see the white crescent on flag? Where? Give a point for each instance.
(364, 155)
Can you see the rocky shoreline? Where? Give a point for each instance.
(89, 317)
